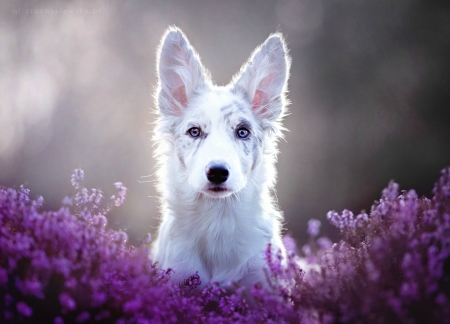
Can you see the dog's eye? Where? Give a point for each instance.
(194, 131)
(242, 132)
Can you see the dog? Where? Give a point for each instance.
(216, 148)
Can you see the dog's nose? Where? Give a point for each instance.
(217, 173)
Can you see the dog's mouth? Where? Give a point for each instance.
(217, 191)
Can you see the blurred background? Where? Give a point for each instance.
(369, 86)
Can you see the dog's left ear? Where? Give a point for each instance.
(264, 78)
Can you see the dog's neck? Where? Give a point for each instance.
(195, 205)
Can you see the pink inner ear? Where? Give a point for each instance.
(257, 100)
(179, 94)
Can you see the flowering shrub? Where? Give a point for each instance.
(392, 265)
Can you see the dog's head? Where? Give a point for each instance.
(218, 135)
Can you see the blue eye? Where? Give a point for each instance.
(242, 132)
(194, 131)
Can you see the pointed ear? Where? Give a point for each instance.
(180, 72)
(264, 78)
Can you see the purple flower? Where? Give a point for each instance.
(120, 198)
(391, 265)
(77, 178)
(67, 302)
(313, 227)
(391, 192)
(24, 309)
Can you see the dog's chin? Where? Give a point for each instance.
(217, 191)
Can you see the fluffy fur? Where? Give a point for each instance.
(218, 229)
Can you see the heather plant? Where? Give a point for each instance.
(66, 266)
(392, 265)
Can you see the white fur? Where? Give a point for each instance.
(220, 234)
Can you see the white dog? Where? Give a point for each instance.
(216, 147)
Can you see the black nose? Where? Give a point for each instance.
(217, 173)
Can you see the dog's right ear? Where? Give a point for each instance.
(180, 72)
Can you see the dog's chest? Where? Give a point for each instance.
(228, 241)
